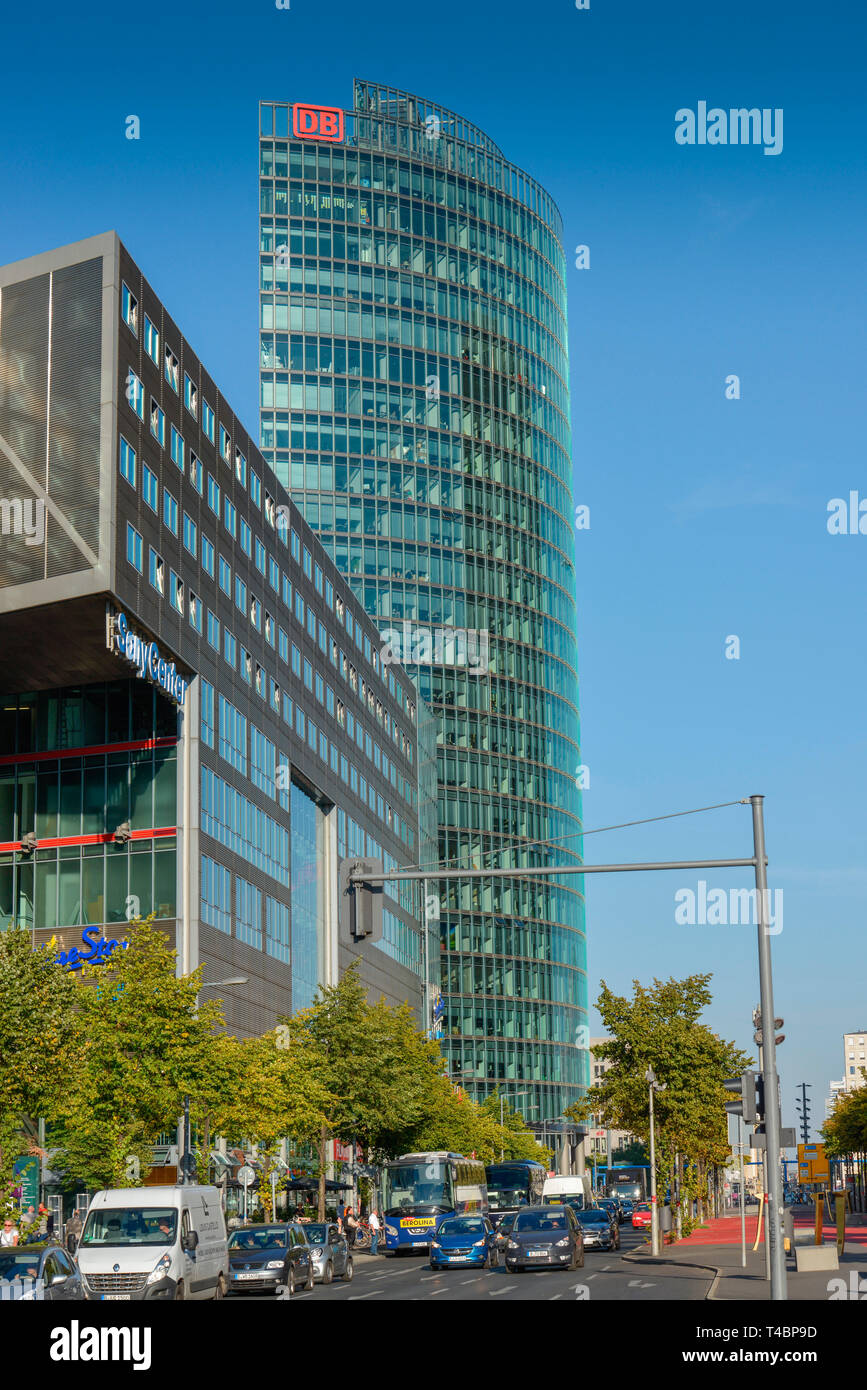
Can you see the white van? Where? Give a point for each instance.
(154, 1242)
(574, 1188)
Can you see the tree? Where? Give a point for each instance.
(633, 1152)
(144, 1044)
(660, 1027)
(38, 1045)
(273, 1094)
(845, 1136)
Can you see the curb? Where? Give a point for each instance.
(665, 1260)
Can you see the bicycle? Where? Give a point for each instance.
(362, 1236)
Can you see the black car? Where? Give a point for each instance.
(272, 1256)
(39, 1270)
(601, 1230)
(613, 1207)
(545, 1236)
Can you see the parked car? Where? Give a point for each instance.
(329, 1250)
(641, 1214)
(40, 1271)
(601, 1231)
(275, 1256)
(547, 1235)
(464, 1240)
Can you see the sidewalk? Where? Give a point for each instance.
(717, 1248)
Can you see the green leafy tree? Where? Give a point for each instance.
(38, 1044)
(143, 1045)
(273, 1094)
(660, 1027)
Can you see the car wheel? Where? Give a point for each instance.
(311, 1278)
(349, 1270)
(220, 1290)
(290, 1282)
(327, 1273)
(433, 1266)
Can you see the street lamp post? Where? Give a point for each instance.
(653, 1085)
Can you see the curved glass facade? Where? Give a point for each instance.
(414, 400)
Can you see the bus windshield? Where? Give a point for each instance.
(507, 1188)
(409, 1189)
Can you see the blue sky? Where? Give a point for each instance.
(708, 516)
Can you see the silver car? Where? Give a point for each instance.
(329, 1250)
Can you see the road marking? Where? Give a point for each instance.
(428, 1278)
(471, 1281)
(496, 1292)
(354, 1296)
(554, 1297)
(589, 1276)
(639, 1284)
(433, 1293)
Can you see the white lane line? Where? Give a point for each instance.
(496, 1292)
(429, 1278)
(433, 1293)
(354, 1296)
(471, 1281)
(554, 1297)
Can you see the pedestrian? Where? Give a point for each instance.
(9, 1234)
(351, 1225)
(31, 1216)
(373, 1223)
(73, 1232)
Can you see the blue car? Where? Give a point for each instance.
(464, 1240)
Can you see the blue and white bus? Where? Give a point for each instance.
(418, 1190)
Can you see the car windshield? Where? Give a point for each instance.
(316, 1233)
(641, 1206)
(540, 1221)
(264, 1238)
(462, 1226)
(18, 1266)
(594, 1217)
(130, 1226)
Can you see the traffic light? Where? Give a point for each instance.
(360, 904)
(745, 1087)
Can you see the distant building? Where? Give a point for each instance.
(854, 1059)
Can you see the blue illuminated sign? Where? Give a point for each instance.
(145, 656)
(98, 953)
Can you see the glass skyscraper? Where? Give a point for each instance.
(414, 402)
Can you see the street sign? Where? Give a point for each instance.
(246, 1175)
(787, 1140)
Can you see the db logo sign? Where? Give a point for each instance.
(317, 122)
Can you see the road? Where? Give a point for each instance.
(604, 1276)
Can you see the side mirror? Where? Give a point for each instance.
(58, 1279)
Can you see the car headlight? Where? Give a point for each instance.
(435, 1245)
(316, 1252)
(479, 1243)
(565, 1241)
(274, 1264)
(511, 1245)
(160, 1269)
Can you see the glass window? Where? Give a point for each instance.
(196, 472)
(208, 556)
(172, 369)
(152, 341)
(170, 512)
(135, 393)
(190, 534)
(191, 396)
(177, 448)
(176, 592)
(157, 572)
(134, 547)
(158, 423)
(129, 309)
(208, 420)
(127, 461)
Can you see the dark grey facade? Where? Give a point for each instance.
(293, 745)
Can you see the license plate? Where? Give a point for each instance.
(537, 1254)
(255, 1275)
(422, 1243)
(115, 1297)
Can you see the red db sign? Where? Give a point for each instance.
(317, 122)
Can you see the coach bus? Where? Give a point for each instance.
(515, 1184)
(418, 1190)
